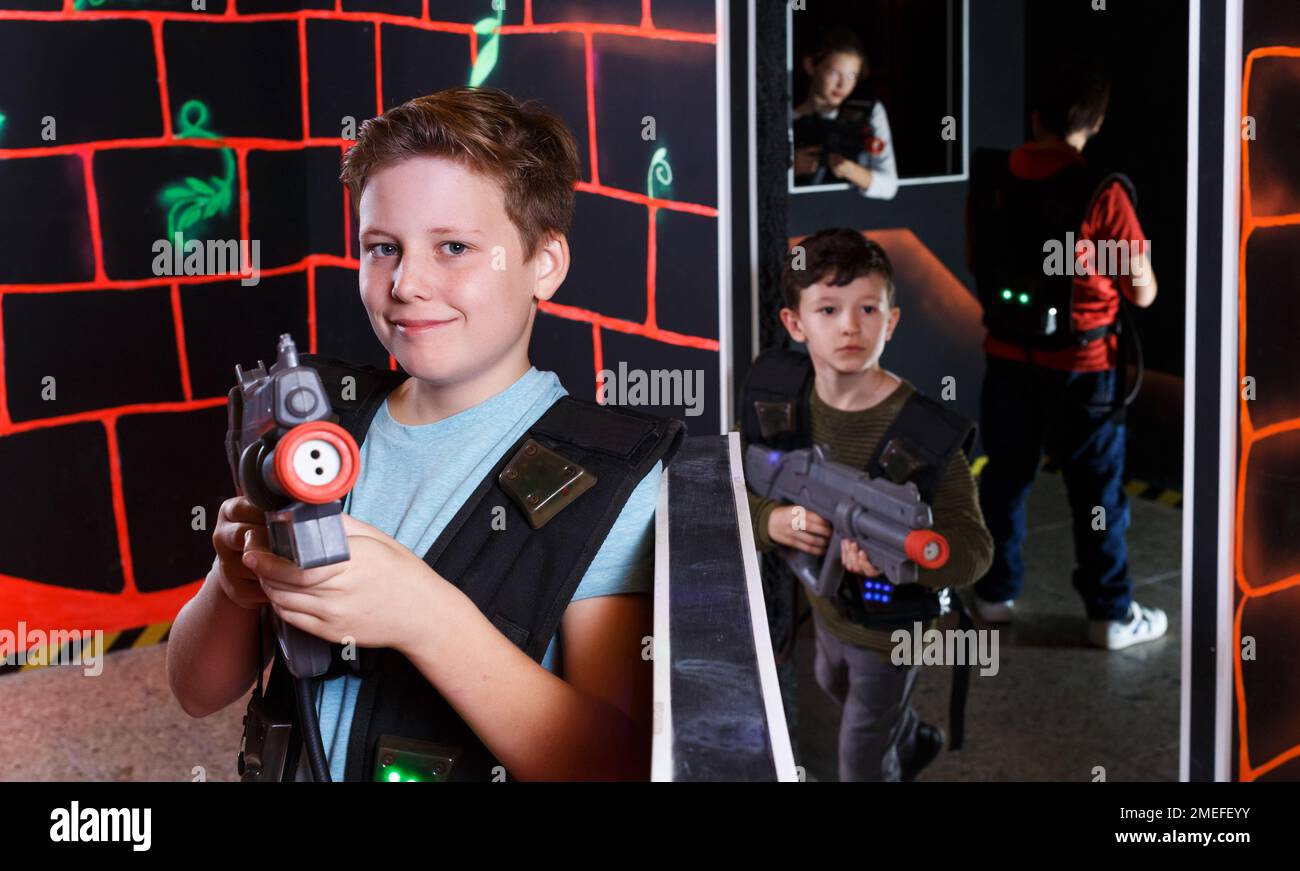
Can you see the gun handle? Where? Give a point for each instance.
(832, 573)
(821, 575)
(305, 655)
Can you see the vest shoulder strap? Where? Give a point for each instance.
(775, 407)
(355, 390)
(1105, 181)
(618, 446)
(919, 443)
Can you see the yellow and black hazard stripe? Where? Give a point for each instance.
(1143, 490)
(1135, 487)
(79, 649)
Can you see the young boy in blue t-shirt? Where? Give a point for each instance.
(464, 200)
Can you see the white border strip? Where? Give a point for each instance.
(1189, 383)
(1228, 397)
(722, 59)
(661, 745)
(752, 49)
(779, 733)
(661, 741)
(964, 175)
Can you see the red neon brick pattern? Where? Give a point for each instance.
(1266, 548)
(108, 460)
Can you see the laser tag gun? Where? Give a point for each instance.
(296, 465)
(848, 134)
(888, 521)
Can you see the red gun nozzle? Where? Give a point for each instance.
(927, 548)
(317, 462)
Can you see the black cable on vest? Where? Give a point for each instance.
(1129, 327)
(304, 690)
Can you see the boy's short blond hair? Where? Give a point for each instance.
(524, 147)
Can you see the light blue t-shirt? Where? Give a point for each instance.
(414, 480)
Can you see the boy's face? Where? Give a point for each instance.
(835, 77)
(844, 328)
(442, 272)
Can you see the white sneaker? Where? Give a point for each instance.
(992, 612)
(1143, 624)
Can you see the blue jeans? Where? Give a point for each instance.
(1025, 408)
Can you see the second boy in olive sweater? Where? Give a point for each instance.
(841, 305)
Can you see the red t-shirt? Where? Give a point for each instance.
(1096, 297)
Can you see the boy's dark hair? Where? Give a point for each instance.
(835, 256)
(1071, 98)
(524, 147)
(838, 40)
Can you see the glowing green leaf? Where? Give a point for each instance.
(200, 185)
(487, 25)
(189, 216)
(196, 200)
(174, 194)
(487, 59)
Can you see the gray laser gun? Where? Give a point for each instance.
(888, 521)
(296, 465)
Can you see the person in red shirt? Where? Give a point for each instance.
(1037, 396)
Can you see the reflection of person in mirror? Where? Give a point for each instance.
(835, 138)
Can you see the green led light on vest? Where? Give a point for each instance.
(397, 775)
(1024, 299)
(1006, 293)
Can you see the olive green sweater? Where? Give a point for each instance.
(852, 436)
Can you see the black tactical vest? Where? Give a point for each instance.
(521, 578)
(1011, 220)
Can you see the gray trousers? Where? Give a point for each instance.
(878, 724)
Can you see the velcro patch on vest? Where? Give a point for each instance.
(542, 483)
(899, 462)
(774, 418)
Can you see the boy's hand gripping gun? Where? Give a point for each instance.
(296, 465)
(888, 521)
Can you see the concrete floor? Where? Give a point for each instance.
(121, 725)
(1057, 707)
(1054, 711)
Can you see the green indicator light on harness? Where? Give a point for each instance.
(1024, 299)
(1006, 293)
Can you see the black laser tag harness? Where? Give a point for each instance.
(924, 435)
(561, 486)
(1011, 220)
